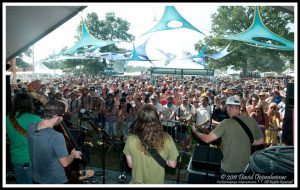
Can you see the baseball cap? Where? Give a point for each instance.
(208, 91)
(184, 97)
(233, 100)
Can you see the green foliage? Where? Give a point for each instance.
(136, 69)
(22, 64)
(27, 52)
(231, 20)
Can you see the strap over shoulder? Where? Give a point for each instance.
(17, 126)
(245, 127)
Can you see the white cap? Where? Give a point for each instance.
(233, 100)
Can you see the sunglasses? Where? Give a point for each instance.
(61, 115)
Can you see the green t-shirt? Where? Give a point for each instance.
(145, 170)
(236, 143)
(18, 143)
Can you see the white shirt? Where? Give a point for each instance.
(201, 115)
(167, 112)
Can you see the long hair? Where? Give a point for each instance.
(23, 103)
(149, 128)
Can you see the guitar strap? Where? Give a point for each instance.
(245, 127)
(157, 157)
(17, 126)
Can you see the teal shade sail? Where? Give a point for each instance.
(87, 40)
(139, 57)
(259, 35)
(171, 14)
(170, 57)
(141, 49)
(201, 53)
(220, 54)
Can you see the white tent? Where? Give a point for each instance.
(184, 64)
(40, 68)
(288, 71)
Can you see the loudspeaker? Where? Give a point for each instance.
(197, 176)
(288, 120)
(207, 158)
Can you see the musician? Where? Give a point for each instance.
(47, 147)
(22, 113)
(236, 142)
(148, 134)
(39, 99)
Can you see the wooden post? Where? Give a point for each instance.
(13, 70)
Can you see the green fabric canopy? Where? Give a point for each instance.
(140, 57)
(87, 40)
(171, 14)
(170, 57)
(220, 54)
(201, 53)
(259, 31)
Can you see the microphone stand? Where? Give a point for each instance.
(181, 153)
(104, 137)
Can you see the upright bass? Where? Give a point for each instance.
(73, 170)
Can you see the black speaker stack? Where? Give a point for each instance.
(204, 165)
(288, 121)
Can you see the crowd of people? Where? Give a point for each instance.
(184, 107)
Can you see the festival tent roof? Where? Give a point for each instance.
(40, 68)
(171, 14)
(220, 54)
(201, 53)
(25, 25)
(87, 40)
(259, 31)
(170, 57)
(140, 57)
(289, 72)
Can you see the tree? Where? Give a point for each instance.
(21, 63)
(112, 28)
(231, 20)
(19, 60)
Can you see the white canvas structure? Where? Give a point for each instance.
(40, 72)
(184, 64)
(40, 68)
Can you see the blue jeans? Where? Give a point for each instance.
(23, 174)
